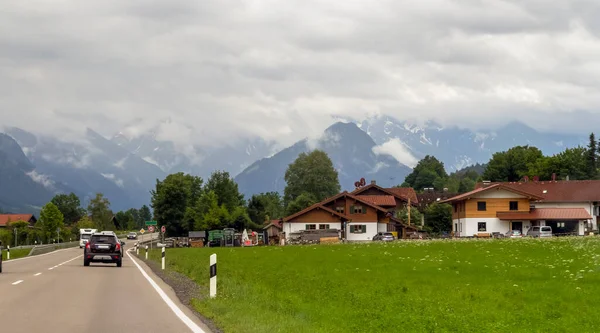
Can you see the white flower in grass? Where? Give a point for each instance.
(515, 285)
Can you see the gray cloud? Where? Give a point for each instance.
(229, 69)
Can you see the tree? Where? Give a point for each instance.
(144, 215)
(21, 227)
(511, 165)
(438, 217)
(69, 206)
(126, 220)
(591, 161)
(415, 216)
(171, 199)
(226, 190)
(313, 174)
(265, 206)
(571, 162)
(50, 220)
(207, 214)
(301, 202)
(101, 215)
(429, 172)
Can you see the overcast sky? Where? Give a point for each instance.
(282, 69)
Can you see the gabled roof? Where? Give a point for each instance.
(6, 218)
(412, 226)
(402, 193)
(321, 205)
(470, 194)
(275, 223)
(379, 200)
(558, 191)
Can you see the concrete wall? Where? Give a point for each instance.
(468, 227)
(382, 227)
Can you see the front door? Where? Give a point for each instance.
(517, 226)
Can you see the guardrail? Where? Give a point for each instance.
(41, 249)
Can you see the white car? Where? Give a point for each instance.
(539, 232)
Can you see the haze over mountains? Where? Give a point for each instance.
(34, 167)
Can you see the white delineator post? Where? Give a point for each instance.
(7, 252)
(213, 275)
(163, 257)
(146, 252)
(137, 248)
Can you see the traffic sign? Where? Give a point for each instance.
(163, 229)
(151, 228)
(151, 223)
(142, 231)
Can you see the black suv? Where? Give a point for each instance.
(105, 248)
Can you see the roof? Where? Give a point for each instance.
(321, 205)
(547, 214)
(274, 223)
(379, 200)
(558, 191)
(5, 218)
(412, 226)
(470, 194)
(403, 193)
(429, 197)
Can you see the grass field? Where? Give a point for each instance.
(16, 253)
(430, 286)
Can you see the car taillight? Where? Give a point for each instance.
(118, 247)
(87, 245)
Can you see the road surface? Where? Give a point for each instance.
(56, 293)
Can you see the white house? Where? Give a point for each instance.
(569, 207)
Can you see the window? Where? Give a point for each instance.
(311, 226)
(339, 210)
(358, 210)
(514, 205)
(481, 205)
(323, 226)
(358, 229)
(481, 226)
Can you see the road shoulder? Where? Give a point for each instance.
(179, 288)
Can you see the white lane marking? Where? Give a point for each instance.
(37, 274)
(17, 282)
(62, 263)
(37, 256)
(186, 320)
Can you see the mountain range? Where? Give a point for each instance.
(35, 167)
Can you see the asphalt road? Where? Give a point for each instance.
(56, 293)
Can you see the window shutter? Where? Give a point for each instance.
(351, 210)
(364, 209)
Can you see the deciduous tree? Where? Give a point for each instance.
(50, 220)
(429, 172)
(70, 206)
(313, 174)
(226, 190)
(438, 217)
(511, 165)
(101, 215)
(304, 200)
(265, 206)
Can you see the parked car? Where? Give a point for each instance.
(132, 235)
(384, 236)
(514, 234)
(541, 231)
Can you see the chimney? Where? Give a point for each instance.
(553, 177)
(373, 182)
(526, 178)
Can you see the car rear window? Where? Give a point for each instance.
(104, 239)
(546, 229)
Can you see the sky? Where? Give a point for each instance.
(215, 71)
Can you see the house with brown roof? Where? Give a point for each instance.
(569, 207)
(358, 215)
(6, 219)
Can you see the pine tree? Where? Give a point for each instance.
(592, 158)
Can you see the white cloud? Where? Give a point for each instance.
(112, 177)
(41, 178)
(397, 150)
(218, 71)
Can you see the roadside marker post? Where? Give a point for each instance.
(146, 252)
(7, 252)
(163, 258)
(213, 275)
(137, 249)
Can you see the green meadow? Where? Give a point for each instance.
(510, 285)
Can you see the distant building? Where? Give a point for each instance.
(358, 215)
(569, 207)
(5, 219)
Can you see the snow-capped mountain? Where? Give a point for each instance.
(354, 155)
(459, 148)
